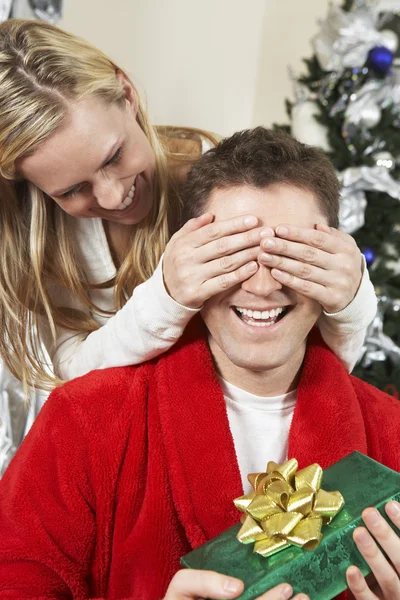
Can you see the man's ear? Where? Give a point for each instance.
(129, 91)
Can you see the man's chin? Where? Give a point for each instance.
(261, 363)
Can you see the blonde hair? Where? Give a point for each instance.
(43, 69)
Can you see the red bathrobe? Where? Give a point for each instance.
(118, 477)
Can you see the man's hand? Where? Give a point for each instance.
(324, 263)
(386, 584)
(190, 584)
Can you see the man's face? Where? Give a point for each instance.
(237, 337)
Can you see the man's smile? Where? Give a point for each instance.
(260, 317)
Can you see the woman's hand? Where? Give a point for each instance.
(204, 258)
(324, 263)
(190, 584)
(386, 574)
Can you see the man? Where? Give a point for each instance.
(128, 469)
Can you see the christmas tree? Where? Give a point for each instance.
(348, 104)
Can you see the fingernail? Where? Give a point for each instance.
(277, 273)
(362, 537)
(252, 266)
(393, 508)
(231, 585)
(286, 591)
(267, 232)
(266, 257)
(250, 221)
(268, 244)
(302, 597)
(353, 573)
(372, 517)
(282, 231)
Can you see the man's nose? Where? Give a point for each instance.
(109, 193)
(261, 283)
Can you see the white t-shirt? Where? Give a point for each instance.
(259, 426)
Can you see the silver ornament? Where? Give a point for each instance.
(370, 115)
(384, 159)
(390, 40)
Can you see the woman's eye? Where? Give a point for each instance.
(115, 159)
(70, 194)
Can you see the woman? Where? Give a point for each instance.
(89, 199)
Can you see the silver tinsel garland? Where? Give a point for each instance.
(17, 412)
(378, 346)
(46, 10)
(345, 38)
(342, 47)
(355, 182)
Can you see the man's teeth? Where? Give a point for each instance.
(128, 200)
(258, 318)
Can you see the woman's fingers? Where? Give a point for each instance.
(228, 244)
(191, 584)
(323, 264)
(299, 269)
(194, 224)
(303, 252)
(197, 254)
(229, 263)
(321, 236)
(224, 282)
(305, 287)
(220, 229)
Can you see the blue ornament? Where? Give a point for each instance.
(381, 58)
(369, 256)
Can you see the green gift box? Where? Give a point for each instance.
(319, 573)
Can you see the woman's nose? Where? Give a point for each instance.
(109, 194)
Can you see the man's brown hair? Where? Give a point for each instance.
(260, 158)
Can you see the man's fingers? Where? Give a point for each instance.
(358, 586)
(385, 575)
(191, 584)
(282, 592)
(383, 533)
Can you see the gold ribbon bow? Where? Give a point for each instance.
(287, 507)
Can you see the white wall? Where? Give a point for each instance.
(216, 64)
